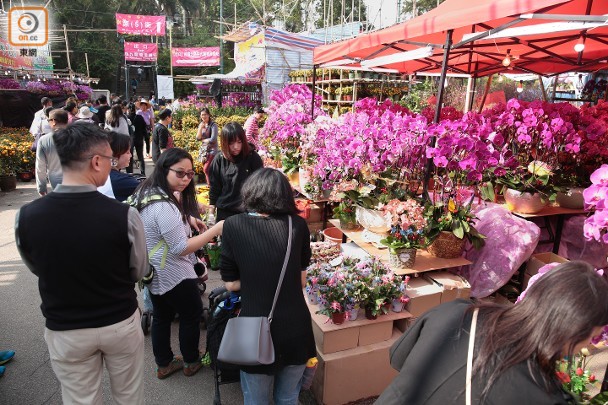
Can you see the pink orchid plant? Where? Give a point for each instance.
(289, 113)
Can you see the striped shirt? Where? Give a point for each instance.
(162, 220)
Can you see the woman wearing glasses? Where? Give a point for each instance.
(229, 170)
(167, 204)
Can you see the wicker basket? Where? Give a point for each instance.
(446, 246)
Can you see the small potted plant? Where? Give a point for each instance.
(336, 298)
(407, 232)
(448, 226)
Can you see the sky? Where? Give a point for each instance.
(382, 13)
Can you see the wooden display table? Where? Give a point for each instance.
(555, 236)
(424, 260)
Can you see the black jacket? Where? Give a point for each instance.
(431, 357)
(227, 178)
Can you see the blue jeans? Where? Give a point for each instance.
(258, 390)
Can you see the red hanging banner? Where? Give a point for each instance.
(184, 57)
(141, 52)
(140, 24)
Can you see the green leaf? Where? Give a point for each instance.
(458, 230)
(487, 191)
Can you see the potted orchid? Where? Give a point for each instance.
(289, 113)
(407, 232)
(531, 137)
(450, 220)
(373, 155)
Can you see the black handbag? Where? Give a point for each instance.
(247, 340)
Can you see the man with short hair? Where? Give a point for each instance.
(48, 165)
(87, 272)
(102, 109)
(40, 125)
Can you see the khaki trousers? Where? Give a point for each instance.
(77, 357)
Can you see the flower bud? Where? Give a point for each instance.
(579, 371)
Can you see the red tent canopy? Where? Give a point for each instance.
(549, 49)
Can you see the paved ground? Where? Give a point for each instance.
(29, 378)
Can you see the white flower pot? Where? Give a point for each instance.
(373, 220)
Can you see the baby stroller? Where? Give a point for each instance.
(223, 305)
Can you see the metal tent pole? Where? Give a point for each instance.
(444, 69)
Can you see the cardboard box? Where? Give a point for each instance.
(335, 340)
(404, 324)
(354, 374)
(331, 338)
(316, 213)
(538, 260)
(454, 286)
(423, 294)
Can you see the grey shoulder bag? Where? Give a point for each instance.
(247, 340)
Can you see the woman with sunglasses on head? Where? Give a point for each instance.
(235, 162)
(167, 204)
(161, 137)
(207, 133)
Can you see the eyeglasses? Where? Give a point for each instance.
(181, 173)
(113, 160)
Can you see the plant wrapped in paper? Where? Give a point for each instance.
(407, 225)
(450, 210)
(596, 201)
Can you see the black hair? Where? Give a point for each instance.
(164, 114)
(70, 106)
(102, 99)
(267, 191)
(47, 110)
(559, 311)
(59, 115)
(75, 143)
(206, 111)
(259, 110)
(115, 115)
(44, 101)
(158, 181)
(120, 143)
(231, 132)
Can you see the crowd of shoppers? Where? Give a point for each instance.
(92, 317)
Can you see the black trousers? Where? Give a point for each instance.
(185, 300)
(138, 145)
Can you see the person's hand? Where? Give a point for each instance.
(197, 224)
(42, 193)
